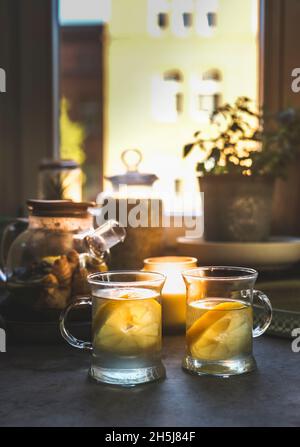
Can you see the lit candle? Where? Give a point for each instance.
(174, 291)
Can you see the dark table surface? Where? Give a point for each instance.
(48, 386)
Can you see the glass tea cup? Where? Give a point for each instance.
(219, 324)
(126, 327)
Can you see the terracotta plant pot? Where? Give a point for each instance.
(237, 208)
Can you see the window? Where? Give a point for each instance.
(210, 96)
(167, 96)
(232, 48)
(158, 17)
(206, 17)
(212, 75)
(179, 17)
(205, 94)
(187, 19)
(175, 78)
(208, 103)
(163, 20)
(212, 19)
(182, 17)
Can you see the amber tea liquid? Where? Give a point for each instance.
(219, 330)
(126, 328)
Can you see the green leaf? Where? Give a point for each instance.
(236, 127)
(201, 168)
(187, 149)
(241, 123)
(215, 154)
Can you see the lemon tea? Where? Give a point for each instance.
(219, 326)
(126, 328)
(219, 329)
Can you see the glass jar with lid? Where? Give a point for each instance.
(60, 180)
(133, 202)
(133, 183)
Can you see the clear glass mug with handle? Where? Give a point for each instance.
(219, 325)
(126, 327)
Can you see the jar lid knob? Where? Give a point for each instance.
(132, 159)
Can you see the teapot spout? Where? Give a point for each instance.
(105, 237)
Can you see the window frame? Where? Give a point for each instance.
(29, 109)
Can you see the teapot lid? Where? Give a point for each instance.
(59, 208)
(132, 159)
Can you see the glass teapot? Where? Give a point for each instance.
(48, 263)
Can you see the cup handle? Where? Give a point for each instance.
(261, 329)
(80, 344)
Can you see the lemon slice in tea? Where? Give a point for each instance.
(128, 323)
(221, 333)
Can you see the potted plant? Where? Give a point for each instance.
(242, 152)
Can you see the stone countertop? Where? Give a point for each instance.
(48, 386)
